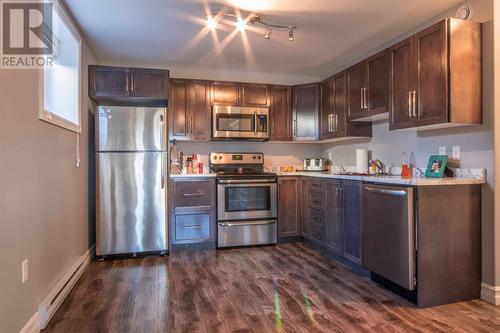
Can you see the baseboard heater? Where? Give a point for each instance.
(56, 296)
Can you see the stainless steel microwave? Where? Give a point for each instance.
(238, 122)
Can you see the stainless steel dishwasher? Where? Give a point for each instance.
(389, 233)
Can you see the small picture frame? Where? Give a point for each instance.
(436, 166)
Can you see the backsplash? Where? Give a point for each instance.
(275, 154)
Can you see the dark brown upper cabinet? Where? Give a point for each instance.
(435, 77)
(280, 114)
(305, 116)
(128, 86)
(368, 89)
(240, 94)
(335, 125)
(189, 111)
(326, 109)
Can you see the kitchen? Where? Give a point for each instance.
(351, 194)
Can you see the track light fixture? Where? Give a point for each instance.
(253, 19)
(268, 33)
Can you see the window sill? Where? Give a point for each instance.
(59, 122)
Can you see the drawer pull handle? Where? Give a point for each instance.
(316, 202)
(192, 226)
(192, 194)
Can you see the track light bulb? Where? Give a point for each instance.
(290, 36)
(211, 23)
(268, 33)
(241, 24)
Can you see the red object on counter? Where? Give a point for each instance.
(405, 171)
(200, 168)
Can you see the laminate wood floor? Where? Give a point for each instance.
(283, 288)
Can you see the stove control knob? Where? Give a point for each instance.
(220, 157)
(253, 157)
(258, 157)
(215, 158)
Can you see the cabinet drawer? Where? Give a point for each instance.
(317, 232)
(316, 200)
(317, 185)
(193, 227)
(317, 217)
(193, 193)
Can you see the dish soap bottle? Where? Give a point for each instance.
(405, 168)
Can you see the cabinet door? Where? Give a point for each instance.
(352, 211)
(402, 82)
(339, 106)
(105, 81)
(178, 109)
(289, 196)
(355, 91)
(280, 114)
(200, 111)
(304, 209)
(149, 83)
(377, 90)
(326, 109)
(305, 112)
(432, 92)
(333, 217)
(253, 94)
(225, 93)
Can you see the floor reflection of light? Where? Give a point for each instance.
(278, 320)
(309, 309)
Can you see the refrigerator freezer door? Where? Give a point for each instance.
(131, 203)
(130, 129)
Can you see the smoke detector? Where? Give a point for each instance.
(464, 13)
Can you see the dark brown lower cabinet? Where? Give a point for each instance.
(192, 213)
(352, 203)
(289, 198)
(331, 216)
(334, 216)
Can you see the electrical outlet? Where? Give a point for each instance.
(456, 153)
(24, 268)
(442, 150)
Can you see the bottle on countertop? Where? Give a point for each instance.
(405, 167)
(200, 168)
(189, 165)
(194, 158)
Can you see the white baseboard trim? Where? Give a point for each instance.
(32, 326)
(490, 294)
(56, 296)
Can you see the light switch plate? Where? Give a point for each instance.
(456, 152)
(442, 150)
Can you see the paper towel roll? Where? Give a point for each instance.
(362, 160)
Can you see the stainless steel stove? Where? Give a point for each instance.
(247, 206)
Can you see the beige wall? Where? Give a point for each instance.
(43, 198)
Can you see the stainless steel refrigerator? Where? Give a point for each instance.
(130, 180)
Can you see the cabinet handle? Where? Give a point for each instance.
(414, 101)
(191, 124)
(295, 128)
(192, 194)
(366, 98)
(409, 104)
(336, 122)
(362, 99)
(316, 202)
(192, 226)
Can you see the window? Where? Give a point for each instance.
(61, 80)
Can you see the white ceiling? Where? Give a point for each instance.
(172, 33)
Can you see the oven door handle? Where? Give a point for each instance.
(247, 181)
(241, 224)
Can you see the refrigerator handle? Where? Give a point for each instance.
(162, 171)
(161, 130)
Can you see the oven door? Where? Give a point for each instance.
(240, 122)
(247, 199)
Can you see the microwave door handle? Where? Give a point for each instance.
(255, 118)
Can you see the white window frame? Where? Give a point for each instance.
(46, 115)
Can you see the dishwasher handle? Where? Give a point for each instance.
(395, 193)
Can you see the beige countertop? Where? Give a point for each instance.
(397, 180)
